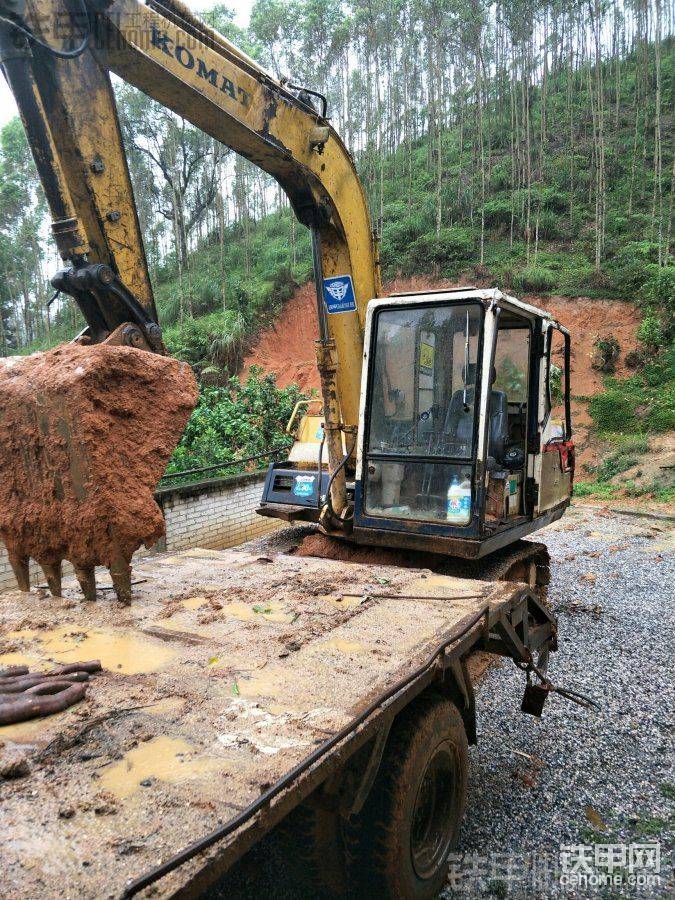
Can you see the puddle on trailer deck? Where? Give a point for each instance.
(266, 684)
(194, 602)
(349, 648)
(162, 758)
(119, 651)
(23, 659)
(344, 601)
(167, 707)
(265, 611)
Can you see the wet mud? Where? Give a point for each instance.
(86, 435)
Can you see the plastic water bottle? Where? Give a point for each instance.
(459, 501)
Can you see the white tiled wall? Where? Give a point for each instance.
(216, 518)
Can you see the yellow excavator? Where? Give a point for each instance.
(434, 441)
(435, 434)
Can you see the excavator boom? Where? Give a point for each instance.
(75, 415)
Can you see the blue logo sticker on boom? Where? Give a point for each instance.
(339, 294)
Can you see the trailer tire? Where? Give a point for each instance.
(398, 845)
(312, 849)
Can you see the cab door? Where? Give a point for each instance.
(556, 459)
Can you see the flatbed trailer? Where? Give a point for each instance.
(239, 686)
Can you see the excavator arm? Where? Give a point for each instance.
(57, 57)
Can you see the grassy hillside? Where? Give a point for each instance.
(561, 259)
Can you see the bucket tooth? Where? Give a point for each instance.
(87, 579)
(21, 571)
(120, 569)
(121, 579)
(53, 576)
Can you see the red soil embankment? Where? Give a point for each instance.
(287, 348)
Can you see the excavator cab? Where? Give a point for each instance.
(464, 443)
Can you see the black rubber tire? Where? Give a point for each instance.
(313, 852)
(384, 843)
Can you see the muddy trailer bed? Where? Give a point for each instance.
(236, 683)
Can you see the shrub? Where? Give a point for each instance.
(657, 296)
(213, 345)
(632, 267)
(606, 353)
(535, 279)
(498, 213)
(633, 405)
(431, 251)
(397, 237)
(235, 421)
(659, 289)
(651, 332)
(554, 200)
(550, 225)
(623, 458)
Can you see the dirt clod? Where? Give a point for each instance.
(14, 765)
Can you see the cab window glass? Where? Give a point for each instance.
(512, 356)
(424, 380)
(556, 376)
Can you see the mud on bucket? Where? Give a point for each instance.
(86, 434)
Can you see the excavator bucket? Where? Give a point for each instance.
(86, 434)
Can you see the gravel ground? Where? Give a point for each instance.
(596, 778)
(576, 778)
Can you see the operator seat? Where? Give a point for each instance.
(458, 427)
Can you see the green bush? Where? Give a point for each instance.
(605, 354)
(397, 236)
(535, 279)
(233, 422)
(498, 213)
(659, 289)
(551, 225)
(624, 457)
(652, 331)
(554, 200)
(631, 268)
(599, 490)
(633, 406)
(657, 297)
(439, 252)
(214, 345)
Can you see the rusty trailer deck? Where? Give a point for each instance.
(230, 669)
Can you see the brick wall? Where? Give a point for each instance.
(216, 513)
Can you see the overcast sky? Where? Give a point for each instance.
(243, 11)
